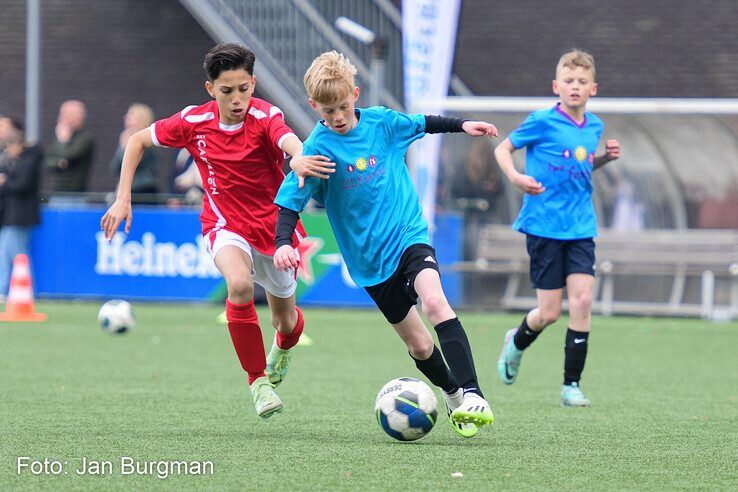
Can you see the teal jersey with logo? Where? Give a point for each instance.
(370, 200)
(559, 154)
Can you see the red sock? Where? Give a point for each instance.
(289, 340)
(243, 323)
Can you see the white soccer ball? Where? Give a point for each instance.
(406, 409)
(116, 317)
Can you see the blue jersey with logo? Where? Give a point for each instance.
(370, 200)
(560, 154)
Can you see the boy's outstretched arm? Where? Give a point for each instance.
(306, 165)
(284, 256)
(612, 152)
(503, 154)
(445, 124)
(121, 209)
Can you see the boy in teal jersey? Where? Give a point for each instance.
(376, 217)
(558, 217)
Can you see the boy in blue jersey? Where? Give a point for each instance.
(558, 217)
(375, 215)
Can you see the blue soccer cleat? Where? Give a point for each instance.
(572, 396)
(509, 361)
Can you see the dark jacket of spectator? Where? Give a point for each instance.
(21, 189)
(69, 162)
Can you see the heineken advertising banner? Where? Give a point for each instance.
(164, 258)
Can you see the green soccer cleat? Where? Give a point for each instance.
(453, 401)
(266, 401)
(473, 410)
(509, 361)
(572, 396)
(278, 363)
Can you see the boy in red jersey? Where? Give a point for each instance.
(239, 143)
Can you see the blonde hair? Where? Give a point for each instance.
(330, 78)
(576, 58)
(144, 115)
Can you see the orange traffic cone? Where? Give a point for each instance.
(20, 305)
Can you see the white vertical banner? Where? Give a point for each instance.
(428, 40)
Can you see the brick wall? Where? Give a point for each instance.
(658, 48)
(109, 55)
(113, 53)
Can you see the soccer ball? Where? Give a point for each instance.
(116, 317)
(406, 409)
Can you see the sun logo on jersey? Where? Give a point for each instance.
(580, 153)
(361, 164)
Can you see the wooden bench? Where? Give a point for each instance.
(678, 254)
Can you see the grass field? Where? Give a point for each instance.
(664, 414)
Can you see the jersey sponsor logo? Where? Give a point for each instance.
(580, 153)
(149, 258)
(202, 147)
(349, 182)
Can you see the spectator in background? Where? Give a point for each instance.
(69, 157)
(627, 210)
(477, 190)
(186, 181)
(20, 172)
(138, 117)
(8, 126)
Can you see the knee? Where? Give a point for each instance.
(548, 315)
(240, 290)
(581, 303)
(437, 309)
(421, 348)
(283, 322)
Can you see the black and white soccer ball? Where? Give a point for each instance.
(116, 317)
(406, 409)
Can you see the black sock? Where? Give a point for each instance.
(575, 352)
(458, 354)
(434, 368)
(525, 335)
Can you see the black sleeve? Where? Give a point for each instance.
(443, 124)
(24, 179)
(286, 223)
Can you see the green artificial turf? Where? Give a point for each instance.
(664, 414)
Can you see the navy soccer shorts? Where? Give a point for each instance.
(396, 295)
(552, 260)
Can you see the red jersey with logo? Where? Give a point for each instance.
(240, 165)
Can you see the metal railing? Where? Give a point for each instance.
(286, 35)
